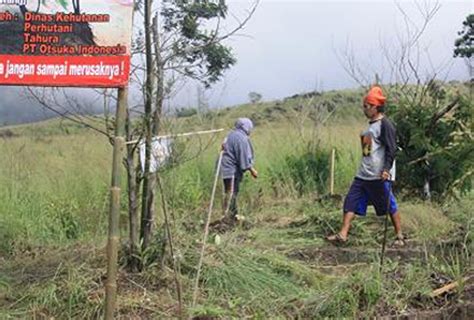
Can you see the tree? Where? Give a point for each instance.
(464, 45)
(177, 44)
(202, 101)
(255, 97)
(436, 143)
(175, 41)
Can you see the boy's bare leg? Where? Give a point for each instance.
(346, 224)
(396, 221)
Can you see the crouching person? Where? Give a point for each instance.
(373, 182)
(237, 158)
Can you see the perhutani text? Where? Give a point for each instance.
(17, 2)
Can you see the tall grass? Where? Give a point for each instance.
(289, 167)
(53, 190)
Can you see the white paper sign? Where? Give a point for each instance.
(160, 153)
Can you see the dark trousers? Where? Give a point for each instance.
(231, 189)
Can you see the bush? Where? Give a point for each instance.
(309, 170)
(186, 112)
(435, 141)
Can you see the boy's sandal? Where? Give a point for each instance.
(336, 238)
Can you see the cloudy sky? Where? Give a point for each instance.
(293, 46)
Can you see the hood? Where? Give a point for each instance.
(244, 124)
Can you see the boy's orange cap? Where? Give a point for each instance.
(375, 97)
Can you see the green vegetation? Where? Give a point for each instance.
(463, 46)
(435, 136)
(54, 180)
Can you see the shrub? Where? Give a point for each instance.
(435, 141)
(186, 112)
(309, 170)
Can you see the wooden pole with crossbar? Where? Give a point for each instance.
(114, 211)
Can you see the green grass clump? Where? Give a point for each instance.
(350, 297)
(253, 282)
(53, 191)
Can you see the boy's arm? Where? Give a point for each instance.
(388, 137)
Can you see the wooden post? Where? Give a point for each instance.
(114, 209)
(333, 164)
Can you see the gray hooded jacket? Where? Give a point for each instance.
(238, 153)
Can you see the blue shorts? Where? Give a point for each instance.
(365, 192)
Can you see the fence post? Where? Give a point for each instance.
(114, 210)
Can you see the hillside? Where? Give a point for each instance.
(54, 179)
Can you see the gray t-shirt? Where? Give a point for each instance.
(238, 154)
(378, 150)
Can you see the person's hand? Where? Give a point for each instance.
(254, 173)
(385, 175)
(223, 144)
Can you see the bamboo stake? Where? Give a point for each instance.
(114, 212)
(206, 229)
(333, 164)
(384, 241)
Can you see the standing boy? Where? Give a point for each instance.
(373, 182)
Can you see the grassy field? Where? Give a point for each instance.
(54, 180)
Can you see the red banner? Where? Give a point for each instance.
(82, 43)
(92, 71)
